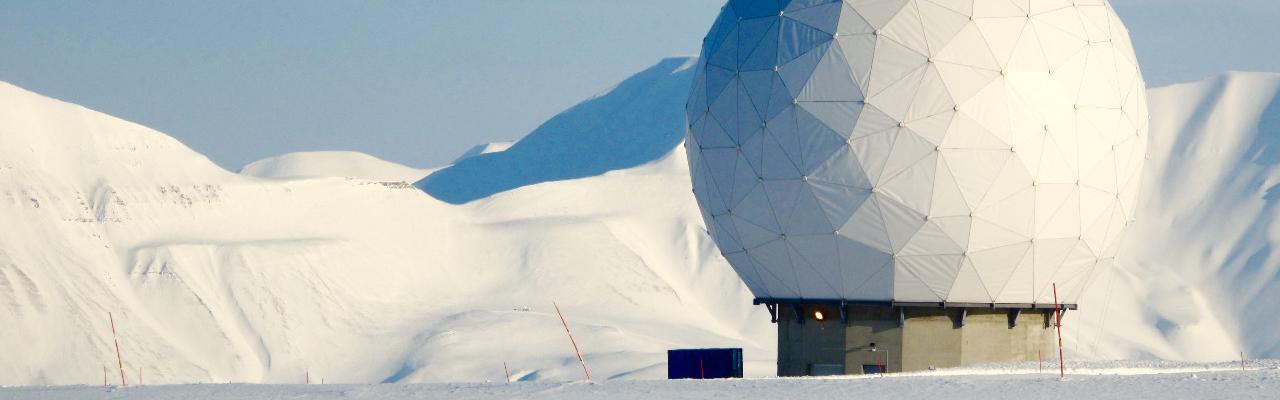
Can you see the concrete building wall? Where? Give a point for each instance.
(809, 342)
(930, 338)
(867, 325)
(989, 338)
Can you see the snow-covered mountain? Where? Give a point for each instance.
(326, 164)
(635, 122)
(216, 276)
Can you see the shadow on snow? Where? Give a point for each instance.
(638, 121)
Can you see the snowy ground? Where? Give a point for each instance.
(1096, 380)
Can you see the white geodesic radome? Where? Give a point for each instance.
(967, 151)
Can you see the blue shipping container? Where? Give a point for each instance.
(704, 363)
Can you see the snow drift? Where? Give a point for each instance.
(214, 276)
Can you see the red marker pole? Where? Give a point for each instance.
(1057, 310)
(506, 371)
(1242, 361)
(119, 360)
(1040, 357)
(574, 342)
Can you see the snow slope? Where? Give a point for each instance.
(1091, 381)
(636, 122)
(214, 276)
(340, 164)
(1203, 256)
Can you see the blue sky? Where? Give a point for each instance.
(420, 82)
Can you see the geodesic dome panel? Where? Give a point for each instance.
(917, 150)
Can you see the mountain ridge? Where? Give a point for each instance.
(331, 164)
(626, 126)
